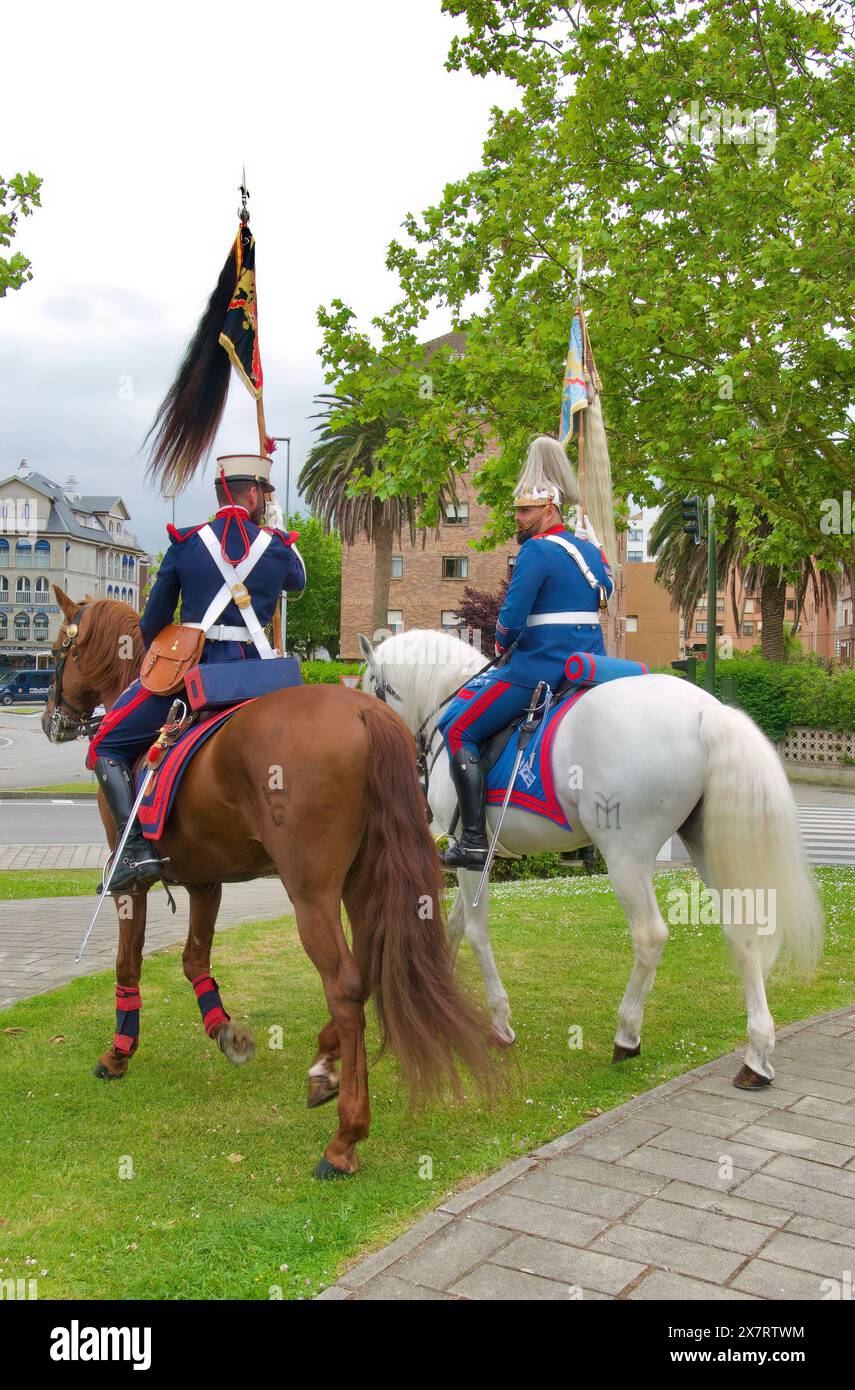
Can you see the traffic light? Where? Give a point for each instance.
(692, 517)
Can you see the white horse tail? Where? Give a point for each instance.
(751, 839)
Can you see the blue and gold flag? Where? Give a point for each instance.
(574, 396)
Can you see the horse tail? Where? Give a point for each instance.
(751, 837)
(393, 893)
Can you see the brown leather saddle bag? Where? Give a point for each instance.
(174, 652)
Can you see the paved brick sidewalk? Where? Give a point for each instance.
(39, 937)
(634, 1204)
(52, 856)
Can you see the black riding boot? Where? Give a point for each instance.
(140, 863)
(470, 851)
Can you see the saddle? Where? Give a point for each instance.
(215, 692)
(534, 790)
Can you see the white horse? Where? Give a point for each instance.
(634, 761)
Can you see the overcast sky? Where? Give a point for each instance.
(139, 119)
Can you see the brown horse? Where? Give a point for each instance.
(318, 785)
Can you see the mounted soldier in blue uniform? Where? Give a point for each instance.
(228, 575)
(560, 581)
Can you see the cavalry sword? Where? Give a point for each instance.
(526, 731)
(159, 744)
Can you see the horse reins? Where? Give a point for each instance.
(65, 718)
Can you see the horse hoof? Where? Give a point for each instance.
(104, 1074)
(621, 1054)
(236, 1043)
(747, 1079)
(326, 1170)
(321, 1089)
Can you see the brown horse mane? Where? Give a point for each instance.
(103, 623)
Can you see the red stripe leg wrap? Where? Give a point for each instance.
(128, 1004)
(210, 1003)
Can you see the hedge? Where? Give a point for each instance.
(779, 696)
(327, 672)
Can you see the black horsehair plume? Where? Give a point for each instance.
(189, 415)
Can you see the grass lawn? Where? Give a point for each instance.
(76, 789)
(51, 883)
(47, 883)
(221, 1203)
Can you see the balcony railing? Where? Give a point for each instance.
(25, 559)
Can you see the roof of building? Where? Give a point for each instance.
(455, 341)
(62, 520)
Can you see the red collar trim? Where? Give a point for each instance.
(550, 532)
(230, 510)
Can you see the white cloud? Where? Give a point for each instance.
(139, 121)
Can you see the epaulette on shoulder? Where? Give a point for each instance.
(182, 533)
(287, 536)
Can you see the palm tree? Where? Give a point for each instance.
(347, 450)
(682, 569)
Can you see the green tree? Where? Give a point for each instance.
(18, 196)
(314, 618)
(682, 569)
(717, 251)
(344, 480)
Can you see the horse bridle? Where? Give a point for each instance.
(66, 721)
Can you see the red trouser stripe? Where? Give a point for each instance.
(111, 720)
(469, 715)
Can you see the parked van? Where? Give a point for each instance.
(24, 685)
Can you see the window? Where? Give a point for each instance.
(22, 591)
(702, 602)
(395, 619)
(632, 622)
(41, 589)
(700, 628)
(4, 551)
(22, 627)
(636, 557)
(636, 535)
(4, 589)
(457, 515)
(791, 603)
(124, 595)
(455, 566)
(749, 605)
(747, 629)
(397, 566)
(23, 554)
(449, 620)
(40, 627)
(719, 605)
(4, 627)
(42, 555)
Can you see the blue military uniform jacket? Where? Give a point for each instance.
(187, 571)
(548, 580)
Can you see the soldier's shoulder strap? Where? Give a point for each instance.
(575, 554)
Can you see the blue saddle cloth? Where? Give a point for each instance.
(534, 789)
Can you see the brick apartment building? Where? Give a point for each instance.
(428, 581)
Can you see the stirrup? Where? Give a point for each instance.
(463, 856)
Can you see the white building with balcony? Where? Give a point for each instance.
(53, 535)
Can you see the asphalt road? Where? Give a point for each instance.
(26, 757)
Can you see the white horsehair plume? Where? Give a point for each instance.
(598, 504)
(547, 476)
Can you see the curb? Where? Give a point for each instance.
(370, 1265)
(81, 795)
